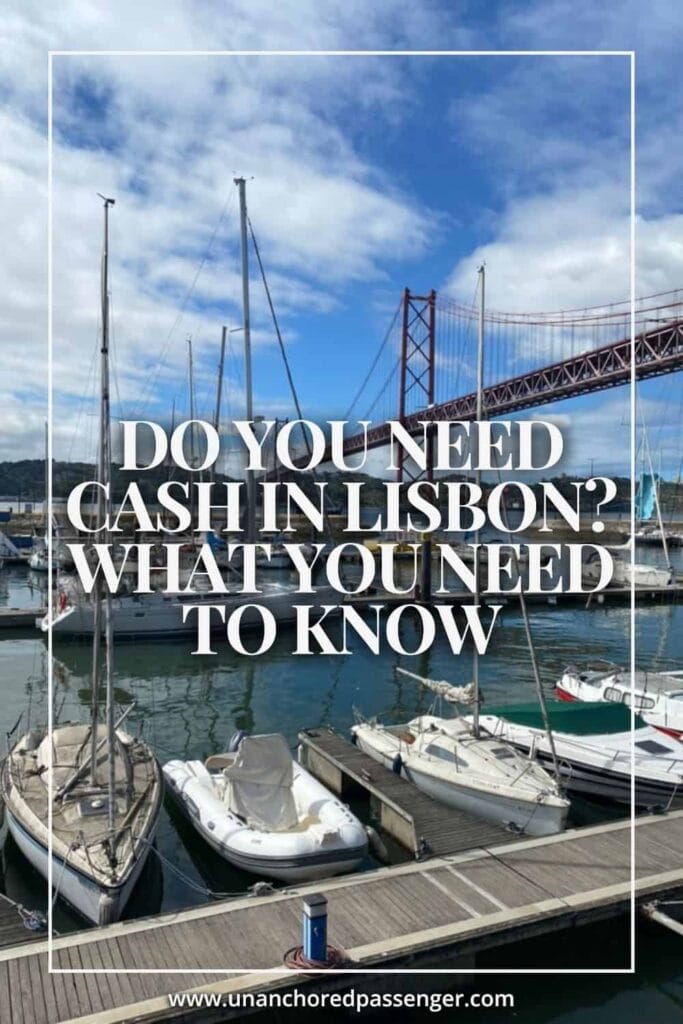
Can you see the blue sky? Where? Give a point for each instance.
(366, 175)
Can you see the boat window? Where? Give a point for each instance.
(446, 755)
(503, 753)
(677, 695)
(641, 703)
(652, 747)
(613, 694)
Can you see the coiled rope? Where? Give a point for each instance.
(294, 958)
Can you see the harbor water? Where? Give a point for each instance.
(189, 706)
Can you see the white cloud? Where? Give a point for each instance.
(175, 133)
(550, 145)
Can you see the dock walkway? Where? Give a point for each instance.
(13, 930)
(20, 618)
(423, 825)
(400, 918)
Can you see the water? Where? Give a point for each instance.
(189, 706)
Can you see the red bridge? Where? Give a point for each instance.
(656, 349)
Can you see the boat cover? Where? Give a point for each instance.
(260, 783)
(584, 718)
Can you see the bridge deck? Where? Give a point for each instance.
(394, 918)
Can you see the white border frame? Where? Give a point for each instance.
(631, 54)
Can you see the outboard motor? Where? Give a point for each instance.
(235, 741)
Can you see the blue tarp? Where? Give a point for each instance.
(645, 497)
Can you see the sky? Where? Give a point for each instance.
(364, 175)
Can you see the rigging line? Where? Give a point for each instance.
(540, 694)
(87, 396)
(151, 383)
(276, 325)
(297, 406)
(375, 361)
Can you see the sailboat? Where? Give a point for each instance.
(454, 760)
(162, 614)
(444, 758)
(628, 572)
(82, 801)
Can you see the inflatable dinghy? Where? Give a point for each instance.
(262, 811)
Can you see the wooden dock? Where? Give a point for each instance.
(422, 825)
(569, 599)
(20, 618)
(440, 912)
(13, 929)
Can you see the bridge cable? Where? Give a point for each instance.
(374, 361)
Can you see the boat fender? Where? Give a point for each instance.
(397, 764)
(376, 845)
(235, 740)
(107, 909)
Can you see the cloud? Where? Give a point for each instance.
(544, 143)
(165, 137)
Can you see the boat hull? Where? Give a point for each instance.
(164, 616)
(602, 784)
(302, 855)
(288, 869)
(531, 817)
(599, 766)
(99, 905)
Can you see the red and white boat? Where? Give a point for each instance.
(657, 696)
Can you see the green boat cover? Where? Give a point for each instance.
(577, 717)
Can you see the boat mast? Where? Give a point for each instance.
(477, 480)
(250, 532)
(191, 387)
(105, 479)
(219, 390)
(45, 503)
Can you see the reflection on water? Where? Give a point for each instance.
(189, 706)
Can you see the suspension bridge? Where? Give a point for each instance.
(428, 356)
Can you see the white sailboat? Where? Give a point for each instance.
(628, 572)
(263, 812)
(85, 798)
(159, 614)
(477, 773)
(656, 696)
(625, 573)
(454, 760)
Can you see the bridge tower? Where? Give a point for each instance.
(416, 378)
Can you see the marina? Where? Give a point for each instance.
(265, 821)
